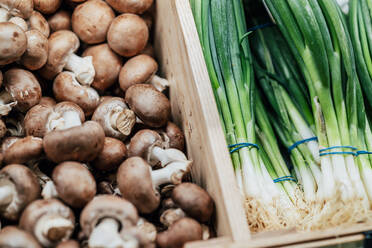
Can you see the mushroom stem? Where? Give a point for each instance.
(159, 83)
(15, 127)
(82, 67)
(172, 173)
(106, 234)
(6, 103)
(166, 156)
(123, 120)
(51, 229)
(49, 189)
(6, 194)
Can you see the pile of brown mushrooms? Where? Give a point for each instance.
(89, 155)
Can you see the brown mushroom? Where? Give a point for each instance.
(48, 116)
(50, 221)
(128, 35)
(18, 187)
(67, 88)
(36, 54)
(38, 22)
(79, 143)
(47, 6)
(19, 8)
(182, 231)
(171, 215)
(141, 69)
(148, 229)
(1, 78)
(13, 42)
(130, 6)
(74, 183)
(149, 145)
(175, 136)
(68, 244)
(113, 154)
(194, 201)
(91, 21)
(139, 184)
(22, 88)
(105, 220)
(61, 20)
(24, 150)
(150, 105)
(3, 129)
(62, 45)
(46, 100)
(7, 142)
(115, 118)
(107, 65)
(13, 237)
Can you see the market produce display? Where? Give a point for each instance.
(293, 94)
(90, 156)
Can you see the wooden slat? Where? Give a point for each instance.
(193, 107)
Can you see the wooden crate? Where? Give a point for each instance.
(193, 107)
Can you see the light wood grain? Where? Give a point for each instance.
(193, 107)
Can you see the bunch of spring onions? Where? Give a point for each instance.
(222, 28)
(318, 37)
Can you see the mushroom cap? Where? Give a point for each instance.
(105, 111)
(194, 200)
(182, 231)
(142, 143)
(113, 154)
(107, 206)
(68, 244)
(74, 183)
(3, 129)
(176, 136)
(128, 35)
(66, 106)
(107, 65)
(46, 100)
(20, 8)
(36, 54)
(91, 20)
(13, 237)
(137, 70)
(61, 45)
(23, 86)
(81, 143)
(26, 185)
(67, 88)
(36, 119)
(37, 21)
(39, 208)
(24, 150)
(47, 6)
(135, 184)
(61, 20)
(150, 105)
(1, 78)
(13, 42)
(130, 6)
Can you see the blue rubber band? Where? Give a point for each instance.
(301, 142)
(283, 179)
(239, 146)
(363, 152)
(332, 153)
(336, 147)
